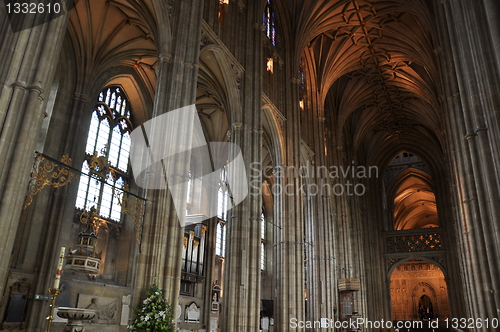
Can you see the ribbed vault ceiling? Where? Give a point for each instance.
(415, 205)
(370, 64)
(372, 67)
(112, 33)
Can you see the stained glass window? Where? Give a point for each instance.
(108, 142)
(220, 239)
(302, 78)
(222, 196)
(222, 207)
(269, 22)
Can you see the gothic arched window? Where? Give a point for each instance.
(106, 155)
(222, 207)
(269, 21)
(222, 195)
(220, 238)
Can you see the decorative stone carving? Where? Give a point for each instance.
(214, 322)
(179, 312)
(192, 313)
(106, 308)
(126, 300)
(411, 241)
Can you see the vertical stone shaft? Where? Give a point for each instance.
(289, 241)
(319, 242)
(242, 279)
(31, 57)
(177, 70)
(478, 86)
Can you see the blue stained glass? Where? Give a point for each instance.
(108, 95)
(120, 182)
(113, 101)
(124, 107)
(118, 104)
(269, 22)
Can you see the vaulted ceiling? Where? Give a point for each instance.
(372, 67)
(371, 64)
(415, 205)
(110, 33)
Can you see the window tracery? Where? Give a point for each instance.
(106, 155)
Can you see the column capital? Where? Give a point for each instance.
(23, 86)
(167, 57)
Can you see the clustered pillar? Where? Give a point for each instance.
(30, 57)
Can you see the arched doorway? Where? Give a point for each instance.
(425, 308)
(419, 291)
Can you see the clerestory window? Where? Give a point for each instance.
(269, 22)
(222, 209)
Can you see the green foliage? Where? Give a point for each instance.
(155, 315)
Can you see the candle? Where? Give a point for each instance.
(57, 281)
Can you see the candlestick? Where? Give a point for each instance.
(57, 280)
(50, 318)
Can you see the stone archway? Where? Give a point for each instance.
(419, 291)
(426, 307)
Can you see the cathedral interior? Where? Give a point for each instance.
(368, 133)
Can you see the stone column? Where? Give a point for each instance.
(30, 56)
(492, 9)
(289, 240)
(319, 236)
(241, 301)
(162, 242)
(474, 131)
